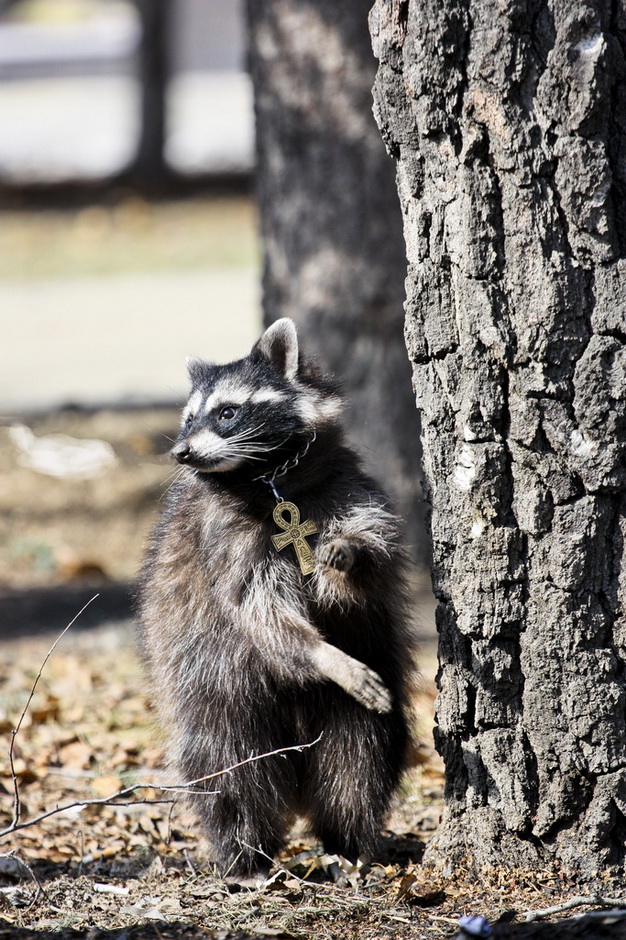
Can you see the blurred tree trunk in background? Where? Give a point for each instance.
(334, 256)
(153, 74)
(508, 122)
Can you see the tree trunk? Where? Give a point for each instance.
(334, 257)
(508, 122)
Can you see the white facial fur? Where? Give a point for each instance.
(227, 394)
(228, 453)
(219, 451)
(316, 406)
(191, 408)
(230, 393)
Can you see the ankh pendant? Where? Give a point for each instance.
(295, 534)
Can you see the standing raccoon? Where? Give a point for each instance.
(273, 613)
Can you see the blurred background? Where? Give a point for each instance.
(127, 242)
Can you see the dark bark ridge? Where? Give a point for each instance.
(508, 124)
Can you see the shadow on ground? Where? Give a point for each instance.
(594, 927)
(583, 928)
(49, 609)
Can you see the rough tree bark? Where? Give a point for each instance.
(333, 251)
(508, 122)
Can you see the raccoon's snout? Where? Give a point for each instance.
(182, 452)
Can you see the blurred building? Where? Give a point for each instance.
(70, 88)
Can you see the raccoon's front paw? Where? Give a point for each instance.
(339, 554)
(370, 690)
(357, 679)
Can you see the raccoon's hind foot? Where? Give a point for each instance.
(338, 554)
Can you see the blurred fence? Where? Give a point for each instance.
(97, 88)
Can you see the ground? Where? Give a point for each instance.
(138, 868)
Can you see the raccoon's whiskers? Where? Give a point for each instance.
(247, 433)
(245, 436)
(234, 452)
(243, 444)
(171, 476)
(171, 481)
(158, 431)
(246, 445)
(277, 446)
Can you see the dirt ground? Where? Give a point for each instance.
(77, 861)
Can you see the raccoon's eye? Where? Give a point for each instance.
(189, 421)
(228, 412)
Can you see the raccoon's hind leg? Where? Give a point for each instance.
(246, 816)
(351, 776)
(246, 829)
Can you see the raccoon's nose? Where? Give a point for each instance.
(181, 452)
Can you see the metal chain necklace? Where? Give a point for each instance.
(294, 532)
(284, 468)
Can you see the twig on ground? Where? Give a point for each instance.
(40, 891)
(340, 894)
(119, 798)
(445, 920)
(189, 863)
(17, 806)
(594, 899)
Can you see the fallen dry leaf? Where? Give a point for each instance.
(76, 755)
(107, 785)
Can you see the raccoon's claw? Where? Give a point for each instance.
(339, 555)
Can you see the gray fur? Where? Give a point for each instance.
(247, 655)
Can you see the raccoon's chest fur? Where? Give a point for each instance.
(221, 560)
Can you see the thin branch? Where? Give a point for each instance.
(39, 888)
(189, 863)
(17, 806)
(242, 763)
(119, 798)
(594, 899)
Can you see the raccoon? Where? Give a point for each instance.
(254, 645)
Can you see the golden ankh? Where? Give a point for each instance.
(295, 535)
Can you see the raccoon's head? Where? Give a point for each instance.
(254, 411)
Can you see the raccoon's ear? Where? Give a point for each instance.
(279, 344)
(195, 367)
